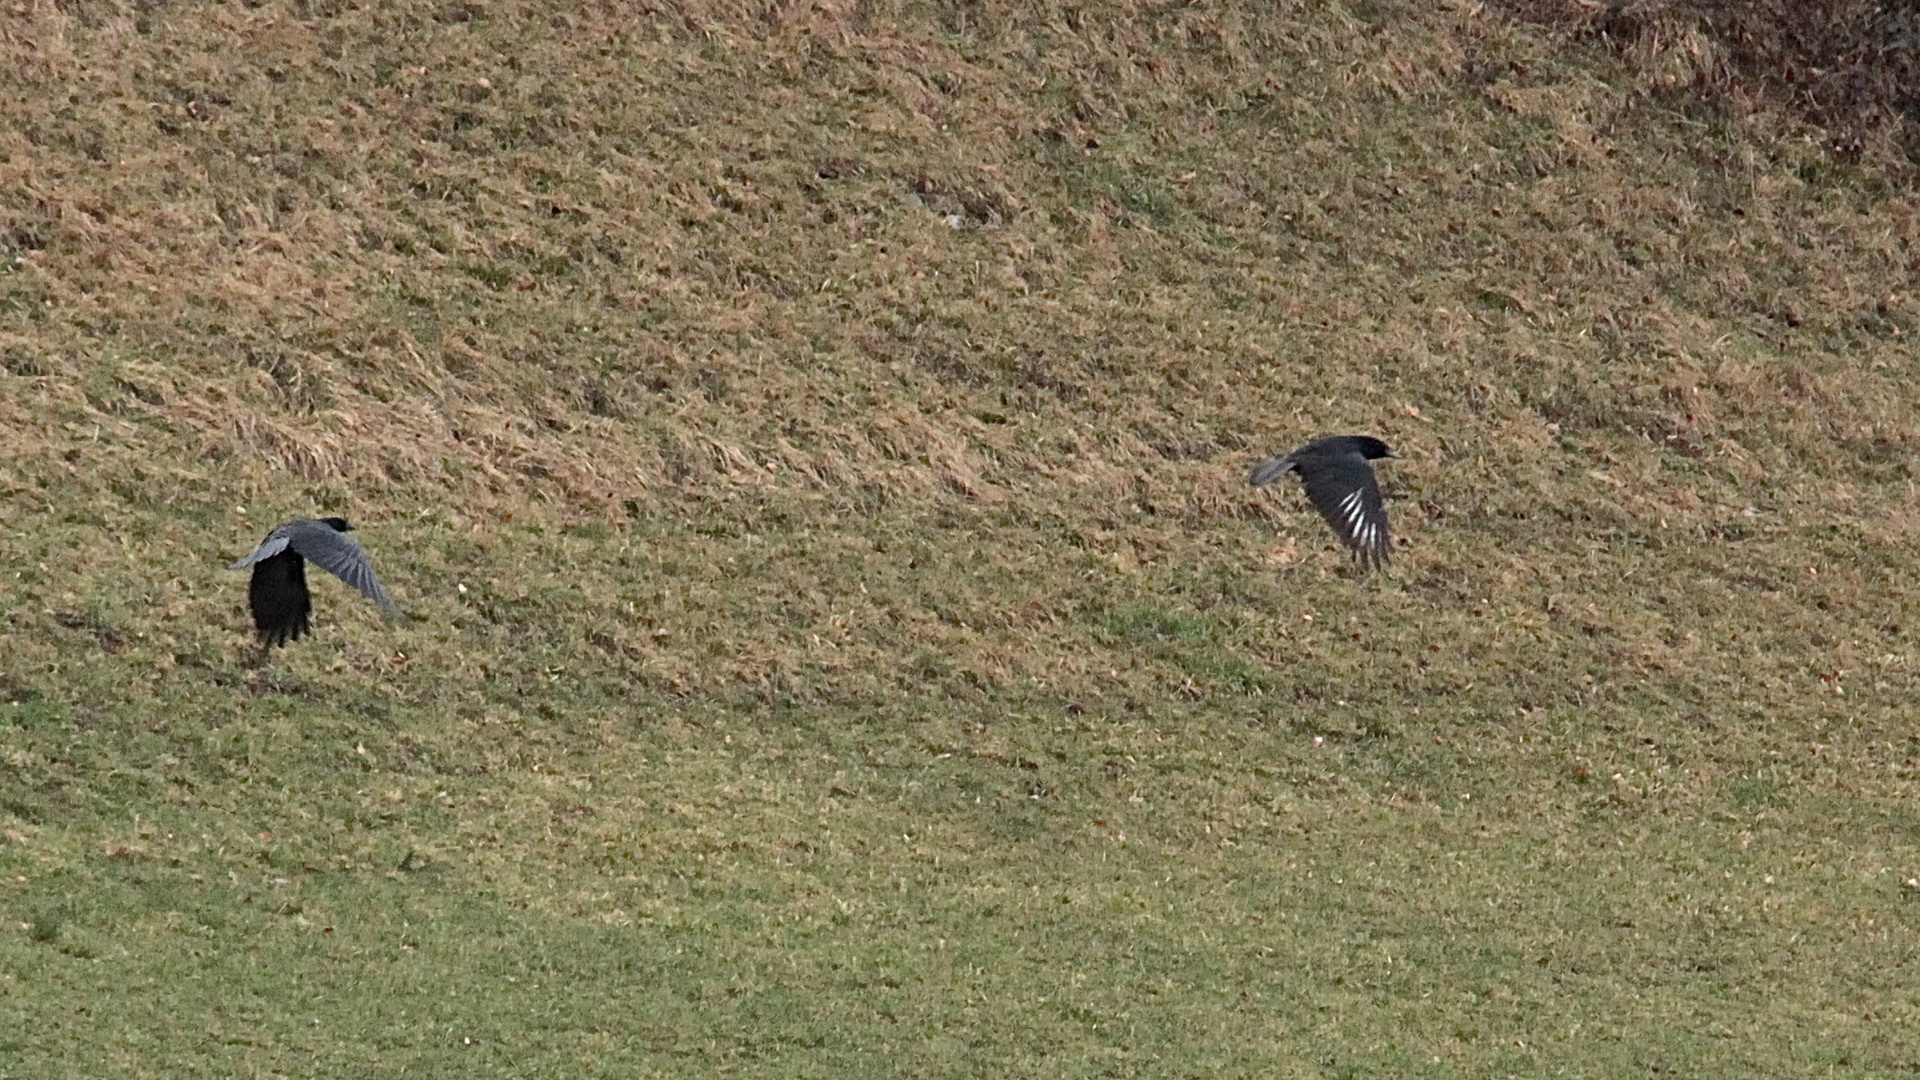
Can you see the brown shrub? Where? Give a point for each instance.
(1850, 66)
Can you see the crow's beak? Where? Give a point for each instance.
(1391, 454)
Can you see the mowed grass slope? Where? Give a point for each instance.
(808, 444)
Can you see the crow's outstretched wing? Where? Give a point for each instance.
(1345, 492)
(274, 544)
(338, 554)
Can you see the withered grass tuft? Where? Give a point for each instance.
(809, 445)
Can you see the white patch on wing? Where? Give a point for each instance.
(1356, 513)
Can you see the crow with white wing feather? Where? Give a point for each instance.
(1341, 486)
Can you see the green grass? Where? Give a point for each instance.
(836, 642)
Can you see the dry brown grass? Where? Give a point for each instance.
(699, 266)
(487, 257)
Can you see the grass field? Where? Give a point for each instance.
(808, 445)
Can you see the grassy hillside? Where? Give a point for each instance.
(808, 445)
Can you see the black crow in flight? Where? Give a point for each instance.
(1341, 486)
(278, 594)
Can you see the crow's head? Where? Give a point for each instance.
(1372, 448)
